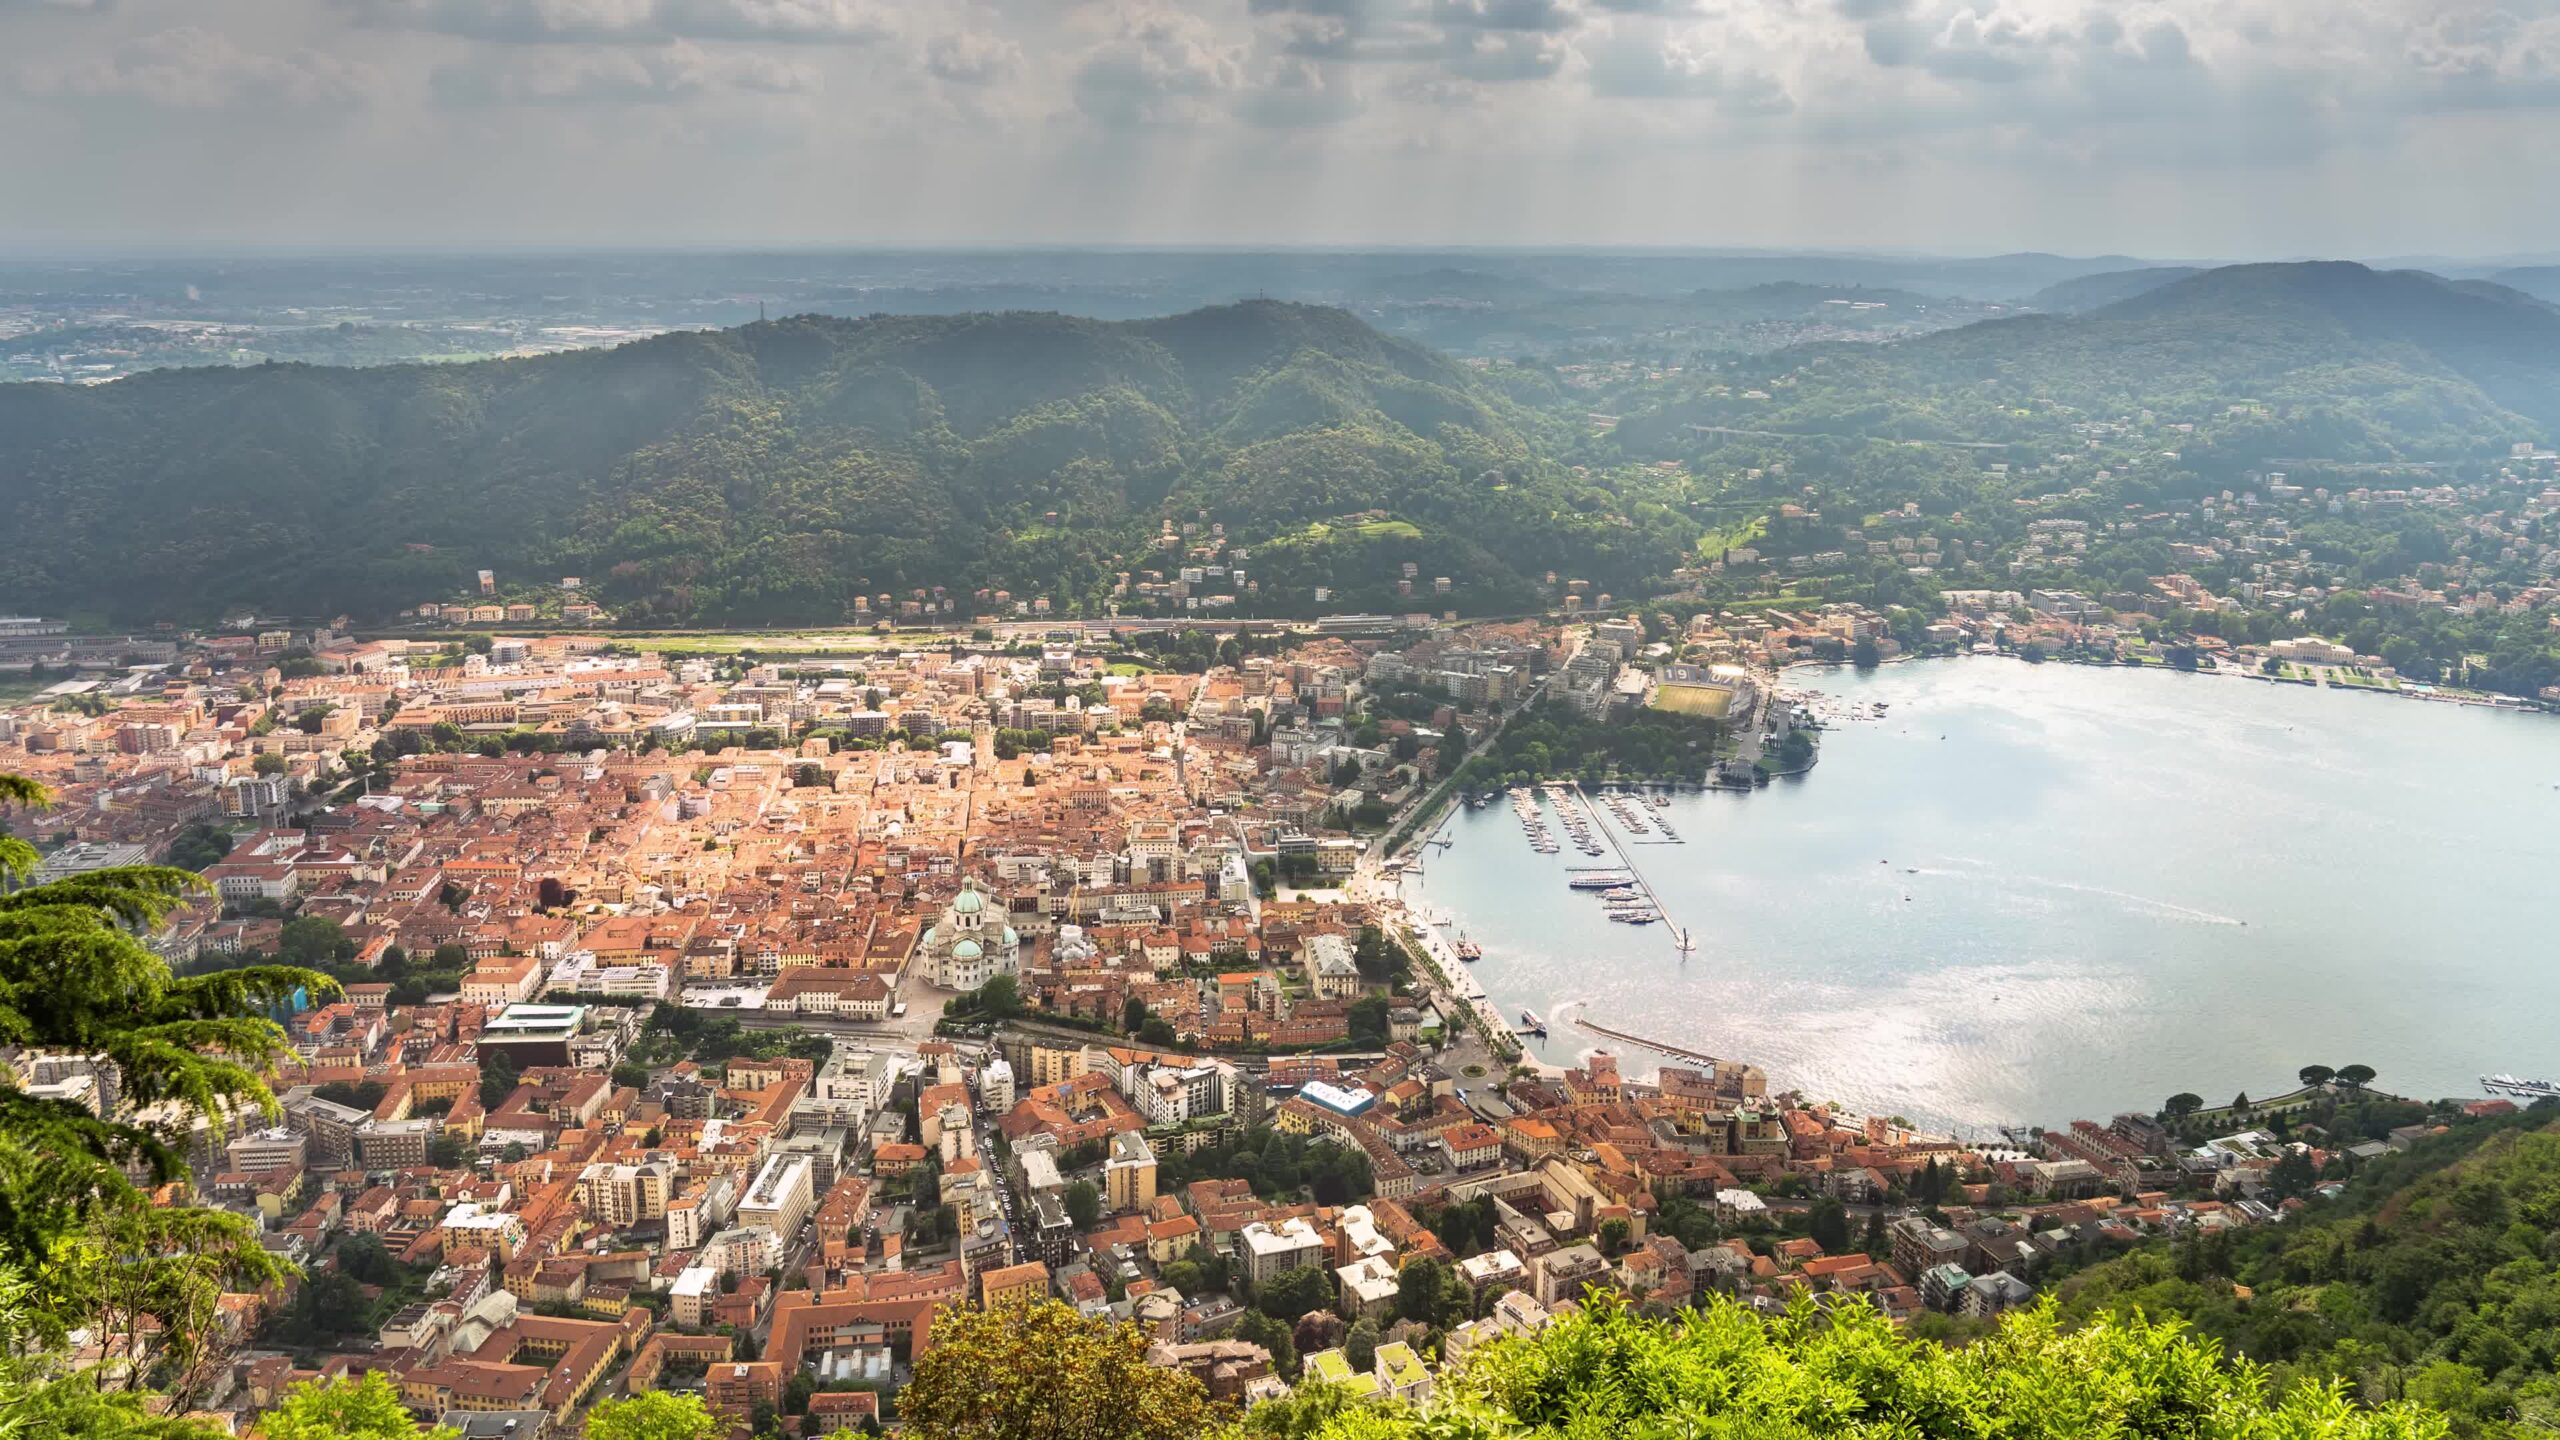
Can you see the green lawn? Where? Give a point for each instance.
(1716, 542)
(1789, 601)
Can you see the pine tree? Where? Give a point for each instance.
(76, 978)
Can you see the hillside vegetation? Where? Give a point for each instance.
(2437, 1279)
(2348, 363)
(2088, 292)
(774, 472)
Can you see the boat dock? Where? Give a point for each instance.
(1679, 933)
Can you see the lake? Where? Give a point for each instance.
(2038, 893)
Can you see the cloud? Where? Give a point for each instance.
(1498, 58)
(845, 22)
(1509, 119)
(1640, 67)
(1545, 16)
(972, 58)
(620, 75)
(1299, 93)
(1162, 67)
(2478, 57)
(191, 69)
(1964, 44)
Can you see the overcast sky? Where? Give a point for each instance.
(2221, 128)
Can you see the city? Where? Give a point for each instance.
(710, 1023)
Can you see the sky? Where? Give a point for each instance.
(2170, 128)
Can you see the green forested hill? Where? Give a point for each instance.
(2347, 362)
(2088, 292)
(773, 472)
(2435, 1279)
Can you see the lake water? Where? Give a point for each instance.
(2039, 893)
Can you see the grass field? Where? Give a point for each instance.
(1789, 601)
(1716, 542)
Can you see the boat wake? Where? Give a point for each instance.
(2140, 904)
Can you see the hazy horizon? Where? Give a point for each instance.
(2238, 129)
(287, 250)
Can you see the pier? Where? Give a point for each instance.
(1659, 1047)
(1679, 933)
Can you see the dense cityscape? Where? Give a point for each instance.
(711, 1023)
(1279, 720)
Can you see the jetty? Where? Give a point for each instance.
(1679, 932)
(1659, 1047)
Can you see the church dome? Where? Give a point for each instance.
(1011, 940)
(966, 950)
(970, 902)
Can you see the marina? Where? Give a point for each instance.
(1626, 897)
(2074, 942)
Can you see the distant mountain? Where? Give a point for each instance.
(2539, 281)
(2338, 361)
(1449, 283)
(1745, 320)
(777, 471)
(2088, 292)
(2310, 316)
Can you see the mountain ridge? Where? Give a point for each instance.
(778, 470)
(2346, 361)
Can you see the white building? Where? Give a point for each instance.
(782, 1195)
(580, 974)
(1269, 1251)
(1331, 970)
(853, 1083)
(1368, 1288)
(692, 1295)
(968, 947)
(1177, 1095)
(995, 1086)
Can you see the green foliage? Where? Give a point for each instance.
(357, 1408)
(74, 978)
(198, 846)
(43, 1396)
(1551, 740)
(1273, 1335)
(498, 1076)
(1042, 1372)
(776, 472)
(2436, 1279)
(1424, 1289)
(1724, 1371)
(1276, 1163)
(656, 1415)
(1360, 1346)
(1369, 1019)
(1293, 1293)
(315, 941)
